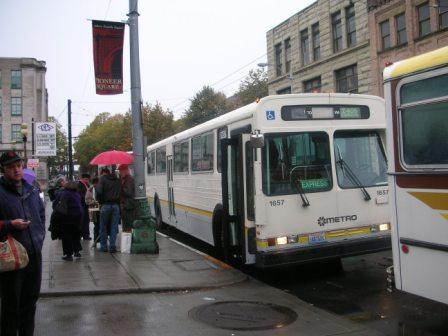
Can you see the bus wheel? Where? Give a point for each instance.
(158, 213)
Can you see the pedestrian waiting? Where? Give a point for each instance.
(108, 195)
(83, 186)
(22, 215)
(67, 216)
(127, 202)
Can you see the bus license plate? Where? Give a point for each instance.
(315, 238)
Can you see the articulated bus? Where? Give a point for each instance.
(416, 92)
(287, 179)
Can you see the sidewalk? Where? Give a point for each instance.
(166, 294)
(175, 268)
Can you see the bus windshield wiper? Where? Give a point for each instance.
(305, 201)
(352, 176)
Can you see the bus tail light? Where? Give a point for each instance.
(271, 241)
(293, 239)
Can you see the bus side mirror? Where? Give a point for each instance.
(257, 140)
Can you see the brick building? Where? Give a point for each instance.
(401, 29)
(322, 48)
(23, 99)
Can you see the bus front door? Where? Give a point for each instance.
(169, 179)
(233, 197)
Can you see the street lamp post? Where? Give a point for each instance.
(144, 231)
(24, 132)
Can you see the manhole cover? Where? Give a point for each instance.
(243, 315)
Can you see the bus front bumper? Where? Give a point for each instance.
(322, 252)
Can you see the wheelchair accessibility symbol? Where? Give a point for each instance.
(270, 115)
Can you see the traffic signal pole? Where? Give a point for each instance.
(144, 228)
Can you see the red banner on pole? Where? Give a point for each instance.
(108, 56)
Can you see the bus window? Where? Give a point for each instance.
(150, 163)
(363, 155)
(220, 134)
(250, 181)
(161, 160)
(181, 154)
(425, 136)
(202, 153)
(293, 162)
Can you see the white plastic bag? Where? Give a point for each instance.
(126, 239)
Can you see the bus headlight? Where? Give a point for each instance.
(384, 227)
(281, 240)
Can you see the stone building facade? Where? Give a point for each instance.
(404, 28)
(323, 48)
(23, 100)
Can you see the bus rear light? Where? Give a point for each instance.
(271, 241)
(405, 249)
(281, 240)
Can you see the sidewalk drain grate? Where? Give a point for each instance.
(243, 315)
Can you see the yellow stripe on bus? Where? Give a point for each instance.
(178, 206)
(436, 201)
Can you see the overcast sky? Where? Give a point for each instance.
(184, 45)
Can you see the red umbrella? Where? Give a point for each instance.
(112, 157)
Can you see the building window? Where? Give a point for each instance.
(16, 135)
(424, 23)
(351, 25)
(312, 86)
(181, 154)
(400, 24)
(337, 31)
(316, 41)
(1, 134)
(202, 153)
(278, 59)
(305, 46)
(443, 14)
(16, 79)
(286, 90)
(288, 55)
(385, 34)
(16, 106)
(347, 79)
(0, 106)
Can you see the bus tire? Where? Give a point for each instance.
(220, 234)
(158, 212)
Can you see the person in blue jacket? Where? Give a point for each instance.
(22, 215)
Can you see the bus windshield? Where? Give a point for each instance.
(363, 155)
(296, 163)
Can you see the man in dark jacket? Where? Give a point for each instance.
(22, 215)
(108, 195)
(127, 206)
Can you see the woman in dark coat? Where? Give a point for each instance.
(70, 224)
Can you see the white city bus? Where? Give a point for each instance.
(416, 92)
(288, 179)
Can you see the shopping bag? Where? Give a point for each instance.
(125, 244)
(13, 255)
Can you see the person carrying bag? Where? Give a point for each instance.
(22, 218)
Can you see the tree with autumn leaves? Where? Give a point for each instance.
(109, 132)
